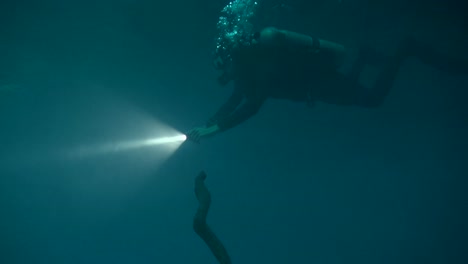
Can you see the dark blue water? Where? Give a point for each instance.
(291, 185)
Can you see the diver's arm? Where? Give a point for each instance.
(244, 112)
(227, 108)
(294, 40)
(199, 221)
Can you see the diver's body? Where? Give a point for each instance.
(287, 65)
(279, 64)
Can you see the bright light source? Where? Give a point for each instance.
(172, 142)
(166, 140)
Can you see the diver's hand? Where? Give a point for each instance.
(199, 133)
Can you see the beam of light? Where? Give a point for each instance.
(168, 144)
(165, 140)
(105, 151)
(112, 133)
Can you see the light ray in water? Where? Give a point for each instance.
(166, 143)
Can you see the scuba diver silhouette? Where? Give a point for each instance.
(281, 64)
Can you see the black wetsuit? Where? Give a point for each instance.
(272, 72)
(263, 72)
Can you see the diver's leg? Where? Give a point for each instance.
(375, 96)
(358, 66)
(430, 56)
(199, 221)
(366, 56)
(342, 89)
(410, 48)
(386, 79)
